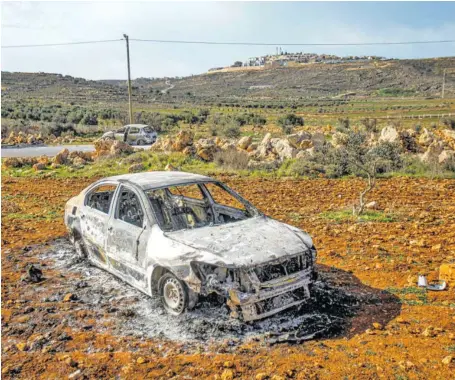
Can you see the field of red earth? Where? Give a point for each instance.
(79, 322)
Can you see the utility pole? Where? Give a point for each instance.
(129, 76)
(443, 83)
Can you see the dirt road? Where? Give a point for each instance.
(83, 322)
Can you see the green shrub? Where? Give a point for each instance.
(288, 122)
(231, 130)
(231, 159)
(305, 168)
(450, 123)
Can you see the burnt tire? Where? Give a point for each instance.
(81, 251)
(173, 294)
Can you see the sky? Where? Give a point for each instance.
(269, 22)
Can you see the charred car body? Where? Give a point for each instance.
(180, 235)
(135, 134)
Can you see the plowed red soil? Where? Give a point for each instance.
(415, 338)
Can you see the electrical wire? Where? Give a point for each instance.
(290, 44)
(61, 44)
(231, 43)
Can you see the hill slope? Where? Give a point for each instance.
(420, 77)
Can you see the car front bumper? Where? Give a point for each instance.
(273, 297)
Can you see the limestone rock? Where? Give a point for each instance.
(79, 161)
(205, 153)
(189, 151)
(389, 134)
(446, 156)
(318, 139)
(283, 148)
(39, 166)
(31, 139)
(206, 148)
(449, 136)
(296, 138)
(426, 138)
(120, 147)
(245, 142)
(252, 147)
(12, 162)
(183, 139)
(372, 205)
(433, 152)
(43, 159)
(61, 157)
(136, 168)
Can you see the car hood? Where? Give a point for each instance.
(251, 241)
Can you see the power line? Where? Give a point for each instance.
(61, 44)
(232, 43)
(290, 44)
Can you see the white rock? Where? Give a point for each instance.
(372, 205)
(389, 134)
(426, 138)
(446, 156)
(433, 152)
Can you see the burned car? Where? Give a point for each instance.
(135, 134)
(179, 235)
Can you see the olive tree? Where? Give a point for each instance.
(368, 161)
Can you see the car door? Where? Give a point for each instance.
(94, 218)
(127, 235)
(133, 134)
(119, 134)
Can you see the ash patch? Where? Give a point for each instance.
(136, 314)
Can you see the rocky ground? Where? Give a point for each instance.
(80, 322)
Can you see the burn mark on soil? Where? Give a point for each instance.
(338, 297)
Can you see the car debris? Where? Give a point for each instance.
(33, 274)
(422, 282)
(134, 134)
(181, 235)
(439, 286)
(436, 286)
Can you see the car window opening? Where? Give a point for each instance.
(187, 207)
(100, 198)
(130, 209)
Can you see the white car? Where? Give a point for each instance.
(134, 134)
(180, 235)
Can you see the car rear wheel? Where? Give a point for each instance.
(140, 142)
(173, 294)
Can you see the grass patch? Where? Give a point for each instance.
(367, 216)
(410, 295)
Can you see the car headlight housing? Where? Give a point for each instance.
(215, 277)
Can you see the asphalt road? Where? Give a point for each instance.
(36, 151)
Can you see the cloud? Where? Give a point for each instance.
(42, 22)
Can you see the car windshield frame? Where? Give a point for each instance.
(212, 208)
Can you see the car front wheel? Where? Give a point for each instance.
(173, 294)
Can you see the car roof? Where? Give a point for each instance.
(157, 179)
(137, 125)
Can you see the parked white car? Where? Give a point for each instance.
(180, 235)
(134, 134)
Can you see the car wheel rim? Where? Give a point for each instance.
(173, 295)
